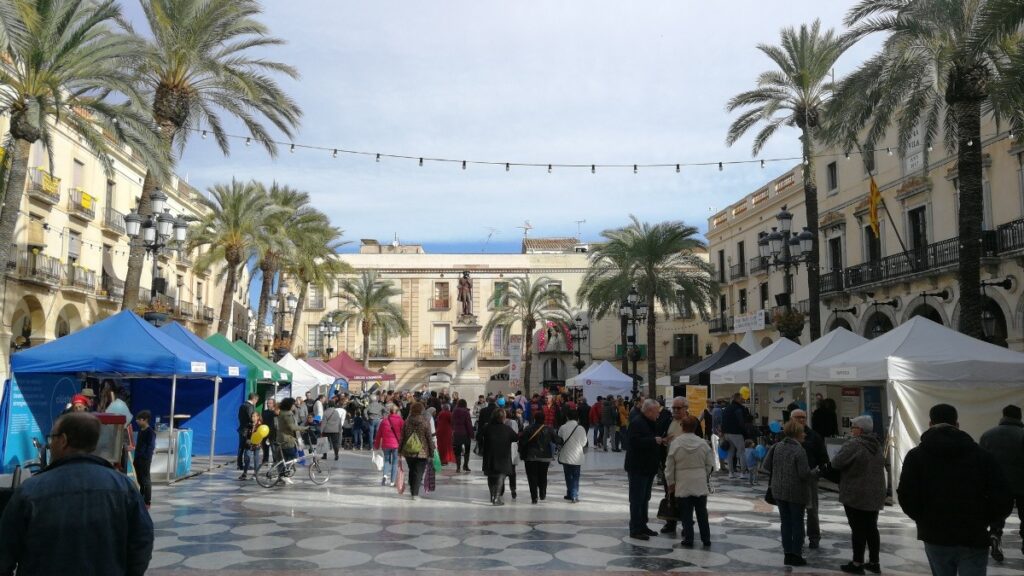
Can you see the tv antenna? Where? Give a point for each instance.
(526, 227)
(579, 225)
(491, 231)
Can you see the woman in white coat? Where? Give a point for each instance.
(573, 439)
(687, 467)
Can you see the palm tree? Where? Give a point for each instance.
(604, 287)
(278, 242)
(793, 96)
(530, 302)
(366, 301)
(315, 265)
(198, 66)
(63, 65)
(939, 69)
(662, 262)
(230, 228)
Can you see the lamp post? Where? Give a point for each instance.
(783, 248)
(579, 331)
(633, 310)
(988, 319)
(290, 304)
(156, 232)
(329, 330)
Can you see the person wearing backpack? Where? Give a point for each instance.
(417, 447)
(535, 449)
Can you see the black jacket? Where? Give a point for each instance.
(734, 418)
(643, 454)
(535, 445)
(485, 417)
(583, 413)
(824, 421)
(496, 441)
(245, 416)
(817, 453)
(952, 489)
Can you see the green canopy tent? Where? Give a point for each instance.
(270, 377)
(254, 376)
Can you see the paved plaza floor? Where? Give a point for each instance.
(353, 525)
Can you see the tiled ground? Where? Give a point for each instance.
(353, 525)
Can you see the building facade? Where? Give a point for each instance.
(871, 283)
(67, 268)
(428, 300)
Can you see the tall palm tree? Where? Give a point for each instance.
(229, 229)
(200, 65)
(315, 265)
(938, 70)
(64, 64)
(278, 242)
(530, 303)
(605, 285)
(793, 95)
(663, 262)
(366, 301)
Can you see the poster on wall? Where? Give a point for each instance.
(780, 396)
(32, 403)
(849, 406)
(697, 397)
(873, 406)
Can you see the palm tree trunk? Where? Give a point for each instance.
(137, 255)
(297, 317)
(228, 301)
(969, 174)
(12, 200)
(652, 356)
(527, 358)
(366, 344)
(623, 323)
(265, 287)
(811, 207)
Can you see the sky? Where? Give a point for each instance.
(574, 81)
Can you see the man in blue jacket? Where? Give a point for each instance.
(643, 456)
(79, 516)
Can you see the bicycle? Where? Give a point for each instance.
(269, 476)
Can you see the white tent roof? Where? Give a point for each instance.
(601, 380)
(593, 365)
(740, 371)
(749, 344)
(922, 350)
(304, 376)
(793, 367)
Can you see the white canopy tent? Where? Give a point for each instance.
(749, 344)
(922, 363)
(741, 371)
(304, 376)
(793, 367)
(602, 380)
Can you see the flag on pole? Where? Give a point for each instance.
(874, 199)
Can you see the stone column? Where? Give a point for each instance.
(468, 381)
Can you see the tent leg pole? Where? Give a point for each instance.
(213, 426)
(170, 429)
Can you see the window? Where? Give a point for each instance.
(872, 244)
(684, 345)
(833, 177)
(742, 256)
(743, 300)
(917, 227)
(74, 246)
(498, 341)
(835, 253)
(721, 266)
(440, 299)
(313, 340)
(764, 296)
(555, 290)
(499, 298)
(78, 174)
(39, 157)
(721, 304)
(1020, 179)
(440, 341)
(111, 191)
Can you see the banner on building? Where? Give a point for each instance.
(748, 322)
(515, 356)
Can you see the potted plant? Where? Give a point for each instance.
(790, 324)
(156, 312)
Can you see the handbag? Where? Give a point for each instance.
(378, 460)
(437, 461)
(768, 496)
(667, 509)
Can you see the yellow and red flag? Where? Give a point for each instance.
(874, 199)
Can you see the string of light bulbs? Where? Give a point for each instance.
(551, 166)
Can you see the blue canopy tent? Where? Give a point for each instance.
(123, 347)
(222, 436)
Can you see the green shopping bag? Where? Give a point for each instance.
(437, 462)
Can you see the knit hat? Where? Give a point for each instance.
(864, 422)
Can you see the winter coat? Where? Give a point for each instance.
(817, 453)
(824, 421)
(643, 454)
(595, 414)
(389, 432)
(688, 464)
(609, 414)
(496, 444)
(790, 474)
(535, 443)
(582, 414)
(952, 489)
(1006, 443)
(333, 420)
(287, 429)
(376, 410)
(862, 465)
(419, 425)
(573, 438)
(734, 418)
(462, 424)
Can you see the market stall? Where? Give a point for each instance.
(700, 373)
(602, 379)
(279, 376)
(305, 378)
(340, 382)
(919, 364)
(356, 374)
(124, 348)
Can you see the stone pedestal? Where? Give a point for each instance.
(468, 381)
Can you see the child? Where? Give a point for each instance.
(144, 448)
(251, 455)
(752, 460)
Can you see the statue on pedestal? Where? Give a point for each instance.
(465, 296)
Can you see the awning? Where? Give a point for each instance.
(108, 266)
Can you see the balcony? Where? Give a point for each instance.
(758, 265)
(113, 221)
(78, 279)
(737, 271)
(1010, 236)
(440, 304)
(184, 258)
(445, 352)
(832, 282)
(81, 204)
(919, 261)
(719, 324)
(184, 310)
(492, 351)
(43, 187)
(111, 288)
(382, 351)
(803, 307)
(35, 267)
(207, 315)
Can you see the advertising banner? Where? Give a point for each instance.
(515, 355)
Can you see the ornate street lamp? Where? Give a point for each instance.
(786, 249)
(633, 310)
(157, 233)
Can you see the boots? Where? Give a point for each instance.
(996, 543)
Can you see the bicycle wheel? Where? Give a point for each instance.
(319, 471)
(267, 475)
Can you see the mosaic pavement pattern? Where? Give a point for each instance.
(352, 524)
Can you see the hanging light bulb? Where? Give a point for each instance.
(634, 169)
(1011, 135)
(204, 134)
(248, 141)
(807, 161)
(888, 150)
(677, 168)
(421, 161)
(549, 168)
(378, 157)
(463, 164)
(720, 167)
(292, 150)
(762, 164)
(593, 169)
(334, 154)
(970, 143)
(507, 167)
(930, 148)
